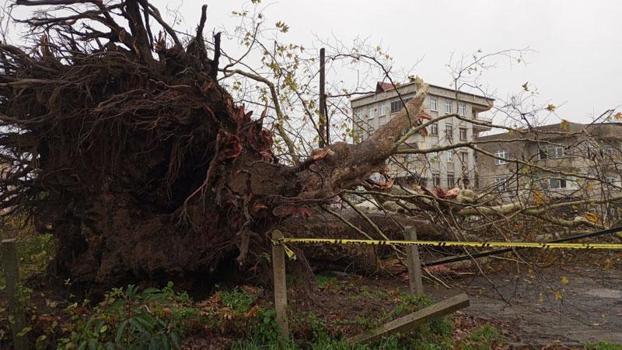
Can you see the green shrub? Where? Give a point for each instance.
(130, 319)
(265, 334)
(237, 300)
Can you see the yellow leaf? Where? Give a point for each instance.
(564, 280)
(551, 107)
(558, 295)
(608, 264)
(592, 217)
(564, 125)
(539, 198)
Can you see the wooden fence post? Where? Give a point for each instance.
(16, 312)
(280, 287)
(411, 321)
(415, 283)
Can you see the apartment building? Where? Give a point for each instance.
(563, 160)
(443, 169)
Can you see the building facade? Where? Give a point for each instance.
(445, 169)
(561, 160)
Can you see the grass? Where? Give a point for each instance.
(603, 346)
(34, 252)
(325, 281)
(436, 335)
(481, 338)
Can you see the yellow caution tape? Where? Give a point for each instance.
(290, 253)
(492, 244)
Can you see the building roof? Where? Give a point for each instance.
(563, 129)
(384, 87)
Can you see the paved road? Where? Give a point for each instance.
(573, 306)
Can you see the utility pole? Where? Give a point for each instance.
(324, 123)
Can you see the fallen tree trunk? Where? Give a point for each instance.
(358, 258)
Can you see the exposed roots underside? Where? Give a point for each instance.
(128, 150)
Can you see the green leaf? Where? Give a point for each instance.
(153, 344)
(120, 331)
(175, 340)
(147, 321)
(138, 326)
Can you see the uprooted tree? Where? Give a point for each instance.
(122, 143)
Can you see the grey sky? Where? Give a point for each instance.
(577, 57)
(576, 60)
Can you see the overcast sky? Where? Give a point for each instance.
(577, 45)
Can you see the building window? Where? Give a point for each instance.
(433, 104)
(463, 134)
(503, 155)
(396, 106)
(451, 181)
(383, 109)
(557, 183)
(607, 150)
(501, 184)
(448, 107)
(462, 109)
(558, 152)
(464, 158)
(611, 180)
(436, 180)
(434, 129)
(449, 132)
(370, 114)
(551, 152)
(450, 156)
